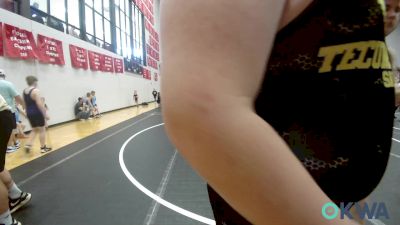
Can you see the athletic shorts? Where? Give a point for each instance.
(14, 119)
(6, 127)
(225, 214)
(36, 120)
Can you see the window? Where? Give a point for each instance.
(123, 31)
(91, 20)
(57, 10)
(137, 34)
(39, 4)
(106, 6)
(73, 13)
(54, 14)
(107, 31)
(98, 24)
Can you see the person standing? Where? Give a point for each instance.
(36, 113)
(7, 90)
(93, 100)
(158, 98)
(136, 98)
(16, 198)
(154, 94)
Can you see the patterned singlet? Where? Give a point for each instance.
(328, 91)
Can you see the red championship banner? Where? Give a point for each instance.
(156, 46)
(145, 12)
(156, 36)
(19, 43)
(146, 74)
(78, 57)
(94, 61)
(107, 64)
(51, 50)
(1, 40)
(118, 65)
(146, 25)
(139, 4)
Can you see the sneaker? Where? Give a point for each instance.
(28, 148)
(17, 144)
(14, 222)
(11, 149)
(16, 204)
(45, 149)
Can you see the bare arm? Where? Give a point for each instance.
(21, 110)
(214, 56)
(20, 101)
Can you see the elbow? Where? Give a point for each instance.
(181, 117)
(186, 114)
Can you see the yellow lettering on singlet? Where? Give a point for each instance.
(362, 62)
(386, 63)
(378, 60)
(388, 79)
(329, 54)
(345, 63)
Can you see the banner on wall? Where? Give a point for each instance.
(152, 63)
(19, 43)
(94, 61)
(139, 4)
(118, 65)
(107, 64)
(156, 36)
(146, 74)
(1, 40)
(78, 57)
(51, 50)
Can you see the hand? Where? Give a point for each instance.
(47, 117)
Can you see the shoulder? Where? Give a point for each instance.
(35, 92)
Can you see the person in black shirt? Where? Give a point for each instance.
(154, 94)
(81, 111)
(269, 115)
(136, 97)
(159, 98)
